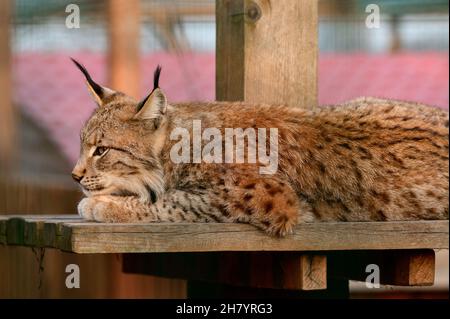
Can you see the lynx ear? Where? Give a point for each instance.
(98, 92)
(154, 106)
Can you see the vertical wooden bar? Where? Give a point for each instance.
(124, 36)
(267, 51)
(124, 75)
(7, 118)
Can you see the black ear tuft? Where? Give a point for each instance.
(156, 77)
(97, 88)
(155, 86)
(140, 105)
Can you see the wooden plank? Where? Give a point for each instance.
(91, 238)
(124, 46)
(44, 233)
(37, 233)
(266, 51)
(34, 230)
(397, 267)
(87, 237)
(33, 233)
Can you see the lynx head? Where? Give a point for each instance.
(121, 143)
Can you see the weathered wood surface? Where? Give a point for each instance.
(266, 51)
(70, 233)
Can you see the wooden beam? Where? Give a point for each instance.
(275, 270)
(7, 116)
(266, 51)
(414, 267)
(124, 46)
(312, 272)
(288, 270)
(79, 236)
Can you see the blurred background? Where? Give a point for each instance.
(44, 102)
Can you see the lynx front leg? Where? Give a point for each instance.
(173, 206)
(115, 209)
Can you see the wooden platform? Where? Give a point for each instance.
(71, 233)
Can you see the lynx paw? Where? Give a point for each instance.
(85, 208)
(101, 209)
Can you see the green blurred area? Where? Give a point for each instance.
(401, 7)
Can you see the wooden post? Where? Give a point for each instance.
(7, 118)
(124, 57)
(266, 51)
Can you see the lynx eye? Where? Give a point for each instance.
(99, 151)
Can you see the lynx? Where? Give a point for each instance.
(367, 160)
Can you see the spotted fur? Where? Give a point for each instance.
(366, 160)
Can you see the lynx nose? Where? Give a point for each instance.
(78, 173)
(76, 177)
